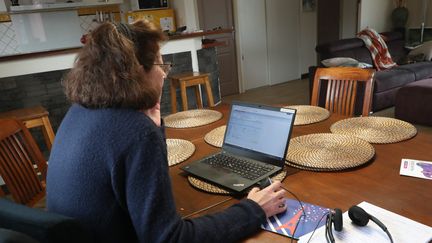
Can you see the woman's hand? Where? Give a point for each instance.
(154, 114)
(271, 199)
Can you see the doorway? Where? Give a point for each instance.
(328, 21)
(268, 41)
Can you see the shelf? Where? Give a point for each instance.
(214, 44)
(198, 34)
(59, 6)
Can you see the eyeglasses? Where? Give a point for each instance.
(166, 67)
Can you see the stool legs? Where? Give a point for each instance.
(187, 80)
(48, 132)
(173, 97)
(184, 96)
(198, 96)
(209, 92)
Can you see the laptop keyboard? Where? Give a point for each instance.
(245, 168)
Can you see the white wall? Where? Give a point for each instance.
(416, 11)
(308, 40)
(2, 6)
(348, 18)
(283, 28)
(186, 12)
(376, 14)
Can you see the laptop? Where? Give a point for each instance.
(254, 147)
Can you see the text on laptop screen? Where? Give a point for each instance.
(260, 130)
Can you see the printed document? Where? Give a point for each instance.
(401, 228)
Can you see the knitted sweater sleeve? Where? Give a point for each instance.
(150, 204)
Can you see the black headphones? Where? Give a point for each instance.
(334, 217)
(357, 215)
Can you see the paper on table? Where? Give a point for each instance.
(416, 168)
(401, 228)
(166, 23)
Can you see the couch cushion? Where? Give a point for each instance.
(353, 47)
(383, 100)
(421, 70)
(413, 102)
(43, 226)
(392, 78)
(392, 36)
(10, 236)
(397, 50)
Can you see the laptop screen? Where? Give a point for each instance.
(258, 129)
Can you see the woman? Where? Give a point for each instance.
(108, 166)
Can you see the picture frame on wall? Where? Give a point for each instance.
(308, 5)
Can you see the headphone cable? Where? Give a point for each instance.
(316, 226)
(302, 208)
(304, 215)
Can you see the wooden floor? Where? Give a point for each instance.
(294, 92)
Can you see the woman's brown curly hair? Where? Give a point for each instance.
(110, 70)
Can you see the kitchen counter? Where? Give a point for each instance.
(63, 59)
(58, 6)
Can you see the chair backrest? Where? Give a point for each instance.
(18, 156)
(43, 226)
(342, 89)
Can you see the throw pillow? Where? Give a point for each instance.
(425, 49)
(340, 62)
(344, 62)
(364, 65)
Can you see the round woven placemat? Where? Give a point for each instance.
(207, 187)
(375, 129)
(192, 118)
(308, 114)
(328, 152)
(216, 136)
(179, 150)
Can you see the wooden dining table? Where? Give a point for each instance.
(377, 182)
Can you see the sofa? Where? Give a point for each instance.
(386, 82)
(19, 223)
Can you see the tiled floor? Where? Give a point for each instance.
(294, 92)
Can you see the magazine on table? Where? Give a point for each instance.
(416, 168)
(285, 223)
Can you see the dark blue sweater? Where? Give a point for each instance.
(108, 168)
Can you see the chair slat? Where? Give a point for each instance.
(342, 88)
(344, 94)
(33, 151)
(26, 165)
(24, 152)
(18, 155)
(13, 182)
(353, 98)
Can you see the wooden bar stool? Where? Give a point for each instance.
(185, 80)
(34, 117)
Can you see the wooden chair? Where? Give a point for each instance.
(19, 154)
(36, 116)
(342, 89)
